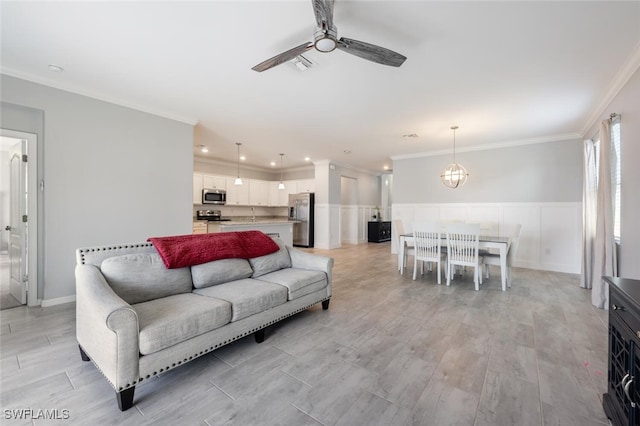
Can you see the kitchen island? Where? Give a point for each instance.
(281, 228)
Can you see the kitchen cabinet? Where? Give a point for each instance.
(199, 227)
(621, 403)
(306, 185)
(258, 192)
(253, 192)
(214, 182)
(237, 195)
(379, 232)
(197, 188)
(274, 194)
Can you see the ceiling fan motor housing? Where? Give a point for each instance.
(325, 39)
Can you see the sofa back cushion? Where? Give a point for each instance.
(142, 277)
(271, 262)
(220, 272)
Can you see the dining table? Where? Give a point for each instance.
(502, 244)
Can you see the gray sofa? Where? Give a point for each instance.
(136, 318)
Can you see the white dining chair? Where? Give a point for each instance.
(409, 249)
(426, 237)
(462, 250)
(513, 232)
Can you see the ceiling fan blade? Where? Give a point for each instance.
(323, 10)
(283, 57)
(371, 52)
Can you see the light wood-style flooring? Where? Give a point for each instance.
(389, 351)
(6, 299)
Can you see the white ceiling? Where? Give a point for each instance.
(504, 72)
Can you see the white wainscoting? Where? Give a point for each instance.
(550, 238)
(327, 226)
(349, 224)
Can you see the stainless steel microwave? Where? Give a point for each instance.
(214, 196)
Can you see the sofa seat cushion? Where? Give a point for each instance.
(141, 277)
(170, 320)
(271, 262)
(299, 282)
(247, 296)
(219, 272)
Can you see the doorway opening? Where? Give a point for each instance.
(18, 219)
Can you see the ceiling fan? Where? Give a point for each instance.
(326, 40)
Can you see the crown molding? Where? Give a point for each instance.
(218, 162)
(99, 96)
(629, 68)
(498, 145)
(347, 166)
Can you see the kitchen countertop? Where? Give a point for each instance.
(257, 222)
(243, 221)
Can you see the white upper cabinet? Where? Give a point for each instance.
(237, 195)
(306, 185)
(214, 182)
(258, 192)
(253, 192)
(197, 188)
(274, 194)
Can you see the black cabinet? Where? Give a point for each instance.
(622, 401)
(379, 232)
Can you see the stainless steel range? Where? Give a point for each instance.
(211, 215)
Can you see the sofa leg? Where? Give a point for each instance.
(259, 335)
(325, 304)
(83, 354)
(125, 398)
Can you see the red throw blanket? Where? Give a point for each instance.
(187, 250)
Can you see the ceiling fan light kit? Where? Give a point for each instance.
(326, 40)
(454, 175)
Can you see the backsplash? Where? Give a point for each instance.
(244, 211)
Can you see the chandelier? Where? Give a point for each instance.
(454, 175)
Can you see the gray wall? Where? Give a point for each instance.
(546, 172)
(368, 186)
(627, 104)
(112, 174)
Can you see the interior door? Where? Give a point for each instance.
(17, 226)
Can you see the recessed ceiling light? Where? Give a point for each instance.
(410, 135)
(242, 157)
(346, 151)
(385, 167)
(307, 159)
(55, 68)
(273, 163)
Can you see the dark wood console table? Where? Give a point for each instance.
(379, 231)
(621, 403)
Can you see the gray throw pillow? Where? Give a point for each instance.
(220, 272)
(271, 262)
(142, 277)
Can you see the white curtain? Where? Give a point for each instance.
(589, 203)
(599, 258)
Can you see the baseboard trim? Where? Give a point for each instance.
(57, 301)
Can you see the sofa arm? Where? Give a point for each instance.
(106, 328)
(312, 261)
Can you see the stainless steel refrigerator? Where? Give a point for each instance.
(301, 207)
